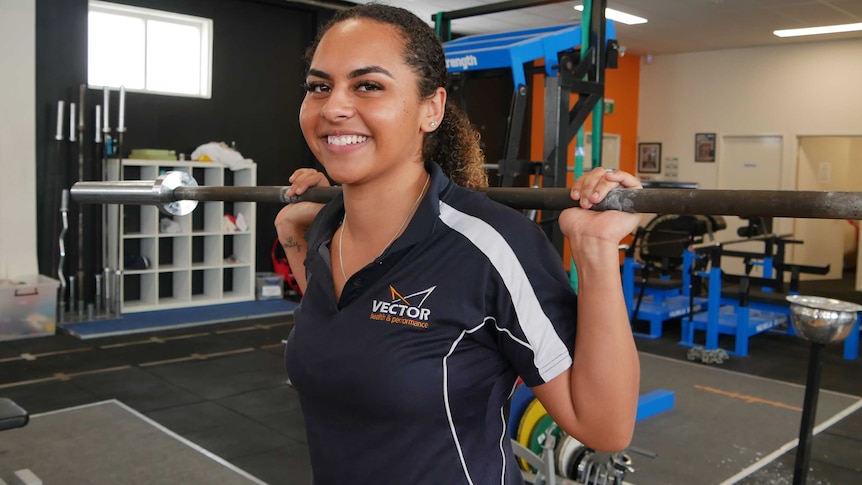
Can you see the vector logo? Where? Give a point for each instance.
(403, 310)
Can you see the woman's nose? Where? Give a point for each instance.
(338, 106)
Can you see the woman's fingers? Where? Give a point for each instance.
(593, 186)
(305, 178)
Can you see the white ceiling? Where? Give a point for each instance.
(674, 25)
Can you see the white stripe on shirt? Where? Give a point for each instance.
(539, 331)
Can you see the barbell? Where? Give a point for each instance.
(177, 193)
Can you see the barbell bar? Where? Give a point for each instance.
(177, 193)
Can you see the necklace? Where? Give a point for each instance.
(409, 214)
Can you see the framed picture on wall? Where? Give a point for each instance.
(649, 157)
(704, 147)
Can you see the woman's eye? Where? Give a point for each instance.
(315, 87)
(368, 86)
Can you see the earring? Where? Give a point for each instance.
(433, 124)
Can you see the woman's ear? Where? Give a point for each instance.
(434, 109)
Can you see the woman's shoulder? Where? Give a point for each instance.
(476, 205)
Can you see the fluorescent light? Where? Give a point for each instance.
(826, 29)
(618, 16)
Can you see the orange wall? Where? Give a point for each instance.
(621, 85)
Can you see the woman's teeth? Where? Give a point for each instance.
(345, 140)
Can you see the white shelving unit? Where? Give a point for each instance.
(201, 263)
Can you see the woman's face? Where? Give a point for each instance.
(362, 115)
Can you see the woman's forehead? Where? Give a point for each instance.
(361, 37)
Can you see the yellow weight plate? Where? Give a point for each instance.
(531, 417)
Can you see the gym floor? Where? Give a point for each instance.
(224, 388)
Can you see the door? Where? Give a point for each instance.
(747, 163)
(828, 163)
(610, 150)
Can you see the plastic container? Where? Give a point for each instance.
(268, 286)
(28, 307)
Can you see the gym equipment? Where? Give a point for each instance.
(541, 432)
(176, 193)
(820, 321)
(520, 399)
(12, 415)
(61, 244)
(547, 455)
(79, 250)
(661, 246)
(576, 66)
(534, 412)
(729, 318)
(754, 305)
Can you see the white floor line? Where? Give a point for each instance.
(766, 460)
(73, 408)
(168, 432)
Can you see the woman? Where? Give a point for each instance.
(424, 301)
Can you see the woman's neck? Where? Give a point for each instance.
(376, 210)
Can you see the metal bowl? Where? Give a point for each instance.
(822, 320)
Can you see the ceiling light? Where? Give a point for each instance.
(618, 16)
(827, 29)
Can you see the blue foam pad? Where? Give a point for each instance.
(654, 402)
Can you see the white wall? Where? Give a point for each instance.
(17, 138)
(798, 89)
(790, 91)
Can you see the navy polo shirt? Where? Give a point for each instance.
(407, 378)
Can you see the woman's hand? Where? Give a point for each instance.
(305, 178)
(298, 216)
(608, 226)
(293, 220)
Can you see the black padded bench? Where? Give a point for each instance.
(12, 415)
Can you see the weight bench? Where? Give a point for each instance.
(12, 415)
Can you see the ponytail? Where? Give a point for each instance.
(455, 147)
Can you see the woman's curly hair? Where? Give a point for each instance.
(455, 144)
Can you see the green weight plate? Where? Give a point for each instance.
(531, 417)
(537, 438)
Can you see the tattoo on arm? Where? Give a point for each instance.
(292, 243)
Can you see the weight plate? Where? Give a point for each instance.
(539, 435)
(520, 400)
(570, 450)
(532, 415)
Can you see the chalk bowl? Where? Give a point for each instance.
(822, 320)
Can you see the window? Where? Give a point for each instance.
(149, 50)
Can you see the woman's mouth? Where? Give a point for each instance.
(344, 140)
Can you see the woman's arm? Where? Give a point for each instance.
(293, 220)
(596, 399)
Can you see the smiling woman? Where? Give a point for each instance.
(424, 302)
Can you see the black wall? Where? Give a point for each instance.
(256, 94)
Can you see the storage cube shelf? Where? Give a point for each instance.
(182, 261)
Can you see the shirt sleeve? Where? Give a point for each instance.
(534, 305)
(527, 295)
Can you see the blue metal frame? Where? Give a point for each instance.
(514, 49)
(726, 316)
(659, 306)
